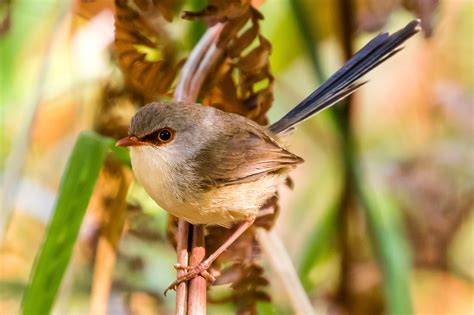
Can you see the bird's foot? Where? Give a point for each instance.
(182, 267)
(192, 272)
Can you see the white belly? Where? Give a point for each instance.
(220, 205)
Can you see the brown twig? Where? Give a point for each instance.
(197, 286)
(209, 59)
(192, 300)
(189, 73)
(282, 265)
(182, 253)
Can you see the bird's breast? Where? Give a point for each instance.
(158, 177)
(171, 186)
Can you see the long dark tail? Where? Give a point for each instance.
(343, 82)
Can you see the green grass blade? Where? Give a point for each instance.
(302, 20)
(76, 187)
(391, 248)
(121, 154)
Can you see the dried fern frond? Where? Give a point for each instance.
(166, 8)
(145, 52)
(238, 267)
(242, 82)
(220, 11)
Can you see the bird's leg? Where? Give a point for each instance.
(210, 278)
(201, 268)
(182, 267)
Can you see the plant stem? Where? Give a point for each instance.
(344, 114)
(308, 38)
(192, 299)
(188, 74)
(282, 265)
(197, 286)
(115, 180)
(182, 253)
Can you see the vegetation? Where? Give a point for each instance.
(376, 221)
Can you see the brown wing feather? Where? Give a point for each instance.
(243, 156)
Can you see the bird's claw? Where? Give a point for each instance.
(192, 271)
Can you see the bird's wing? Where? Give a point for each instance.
(241, 157)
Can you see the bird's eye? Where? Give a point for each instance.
(165, 135)
(159, 137)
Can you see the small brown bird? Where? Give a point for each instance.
(211, 167)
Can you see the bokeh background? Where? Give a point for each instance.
(412, 124)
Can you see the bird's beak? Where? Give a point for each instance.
(129, 141)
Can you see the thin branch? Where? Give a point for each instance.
(195, 70)
(283, 266)
(182, 253)
(188, 74)
(118, 178)
(209, 59)
(197, 286)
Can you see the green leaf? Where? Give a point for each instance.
(75, 191)
(391, 248)
(122, 154)
(266, 308)
(302, 20)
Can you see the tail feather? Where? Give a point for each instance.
(343, 82)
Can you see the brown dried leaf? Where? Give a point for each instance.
(231, 29)
(166, 8)
(5, 17)
(270, 212)
(87, 9)
(242, 249)
(146, 54)
(247, 282)
(248, 290)
(220, 11)
(254, 61)
(243, 41)
(244, 73)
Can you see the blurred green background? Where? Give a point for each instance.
(413, 125)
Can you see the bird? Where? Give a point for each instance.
(211, 167)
